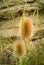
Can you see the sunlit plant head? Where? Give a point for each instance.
(26, 28)
(19, 48)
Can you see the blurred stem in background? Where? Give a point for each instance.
(36, 23)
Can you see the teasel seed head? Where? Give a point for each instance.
(26, 28)
(19, 48)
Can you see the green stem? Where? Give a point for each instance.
(20, 61)
(26, 44)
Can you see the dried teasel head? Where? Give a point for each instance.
(19, 48)
(26, 28)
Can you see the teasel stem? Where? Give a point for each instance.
(26, 45)
(20, 61)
